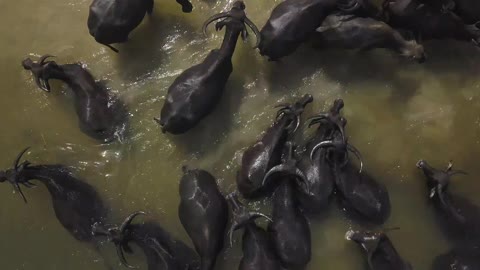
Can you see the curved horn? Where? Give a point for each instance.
(129, 220)
(17, 187)
(212, 19)
(316, 119)
(297, 119)
(355, 151)
(320, 145)
(121, 255)
(42, 59)
(274, 170)
(255, 31)
(17, 160)
(349, 8)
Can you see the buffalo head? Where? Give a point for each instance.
(118, 235)
(437, 180)
(16, 175)
(236, 17)
(294, 111)
(39, 70)
(241, 215)
(366, 239)
(332, 117)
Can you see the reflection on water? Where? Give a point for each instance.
(398, 112)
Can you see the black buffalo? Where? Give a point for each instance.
(111, 21)
(100, 115)
(195, 93)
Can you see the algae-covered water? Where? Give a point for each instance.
(398, 112)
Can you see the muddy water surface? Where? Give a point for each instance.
(398, 112)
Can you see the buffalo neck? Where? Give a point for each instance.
(42, 173)
(230, 40)
(284, 201)
(74, 75)
(59, 72)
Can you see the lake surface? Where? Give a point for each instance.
(398, 112)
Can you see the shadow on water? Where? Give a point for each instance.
(145, 51)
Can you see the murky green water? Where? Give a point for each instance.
(398, 112)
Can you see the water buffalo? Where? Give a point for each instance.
(317, 170)
(258, 250)
(459, 218)
(77, 205)
(203, 212)
(195, 93)
(353, 32)
(293, 21)
(289, 227)
(163, 252)
(458, 258)
(381, 254)
(266, 153)
(111, 21)
(428, 22)
(100, 115)
(362, 196)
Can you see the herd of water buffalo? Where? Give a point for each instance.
(301, 180)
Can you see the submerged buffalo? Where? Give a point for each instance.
(428, 21)
(319, 177)
(266, 153)
(258, 249)
(162, 251)
(100, 115)
(457, 216)
(203, 212)
(289, 227)
(111, 21)
(195, 93)
(362, 196)
(293, 21)
(77, 205)
(352, 32)
(381, 254)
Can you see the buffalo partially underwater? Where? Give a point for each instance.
(196, 91)
(289, 227)
(77, 205)
(319, 177)
(361, 195)
(293, 21)
(364, 33)
(111, 21)
(381, 254)
(203, 212)
(457, 216)
(266, 153)
(257, 246)
(429, 20)
(162, 251)
(101, 116)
